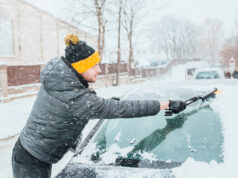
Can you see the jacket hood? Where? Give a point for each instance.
(57, 75)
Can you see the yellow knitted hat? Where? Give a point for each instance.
(81, 56)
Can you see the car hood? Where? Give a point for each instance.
(104, 171)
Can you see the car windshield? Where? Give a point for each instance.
(196, 133)
(207, 75)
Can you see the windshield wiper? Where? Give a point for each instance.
(137, 163)
(127, 162)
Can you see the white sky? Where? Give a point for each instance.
(195, 10)
(199, 10)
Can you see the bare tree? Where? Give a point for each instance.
(176, 37)
(230, 50)
(86, 13)
(210, 40)
(130, 9)
(81, 13)
(119, 44)
(99, 9)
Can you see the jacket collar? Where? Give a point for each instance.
(80, 77)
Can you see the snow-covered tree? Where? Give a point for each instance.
(211, 38)
(175, 37)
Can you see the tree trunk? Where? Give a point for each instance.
(99, 34)
(119, 47)
(99, 19)
(131, 57)
(101, 30)
(103, 38)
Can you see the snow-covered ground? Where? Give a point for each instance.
(13, 118)
(14, 115)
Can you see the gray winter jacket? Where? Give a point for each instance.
(63, 107)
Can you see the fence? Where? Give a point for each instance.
(22, 79)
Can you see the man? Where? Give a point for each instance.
(63, 107)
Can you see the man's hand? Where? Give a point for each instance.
(164, 105)
(176, 106)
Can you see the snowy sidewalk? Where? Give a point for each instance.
(14, 116)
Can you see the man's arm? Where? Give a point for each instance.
(89, 105)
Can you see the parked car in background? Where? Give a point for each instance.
(151, 146)
(192, 66)
(209, 73)
(235, 73)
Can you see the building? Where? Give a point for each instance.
(29, 37)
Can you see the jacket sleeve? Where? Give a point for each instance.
(89, 105)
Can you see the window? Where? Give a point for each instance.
(6, 39)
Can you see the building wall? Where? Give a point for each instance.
(37, 36)
(30, 44)
(29, 38)
(8, 11)
(49, 24)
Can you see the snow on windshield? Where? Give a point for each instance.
(224, 105)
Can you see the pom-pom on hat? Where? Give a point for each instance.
(81, 56)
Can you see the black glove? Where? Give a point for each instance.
(177, 106)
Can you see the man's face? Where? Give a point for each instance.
(91, 74)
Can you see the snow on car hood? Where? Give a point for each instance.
(225, 105)
(103, 171)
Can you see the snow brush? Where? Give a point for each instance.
(212, 94)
